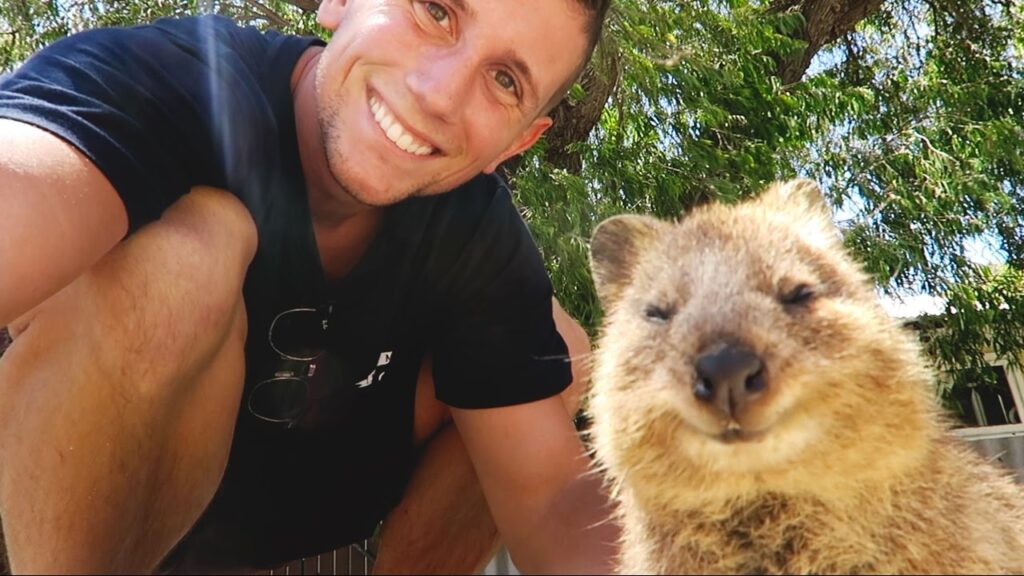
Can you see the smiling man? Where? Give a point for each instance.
(251, 278)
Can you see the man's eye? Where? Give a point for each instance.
(439, 14)
(506, 81)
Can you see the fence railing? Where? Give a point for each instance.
(354, 559)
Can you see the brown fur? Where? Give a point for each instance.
(844, 464)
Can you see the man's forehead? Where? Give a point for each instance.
(544, 40)
(521, 17)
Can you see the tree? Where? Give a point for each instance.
(908, 111)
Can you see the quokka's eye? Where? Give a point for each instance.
(659, 314)
(799, 295)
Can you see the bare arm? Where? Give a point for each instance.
(442, 525)
(549, 507)
(59, 216)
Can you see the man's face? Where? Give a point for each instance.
(417, 97)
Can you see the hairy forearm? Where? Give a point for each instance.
(442, 525)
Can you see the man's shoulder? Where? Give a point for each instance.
(207, 38)
(210, 30)
(200, 27)
(162, 107)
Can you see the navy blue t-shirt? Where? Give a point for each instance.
(201, 101)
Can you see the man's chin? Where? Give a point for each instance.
(363, 199)
(366, 194)
(379, 198)
(375, 198)
(366, 188)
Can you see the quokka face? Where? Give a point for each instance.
(742, 339)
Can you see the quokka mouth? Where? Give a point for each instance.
(734, 434)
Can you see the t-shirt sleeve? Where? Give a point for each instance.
(153, 106)
(498, 344)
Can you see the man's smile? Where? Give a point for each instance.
(396, 132)
(453, 92)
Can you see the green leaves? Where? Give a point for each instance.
(699, 113)
(28, 25)
(934, 166)
(912, 123)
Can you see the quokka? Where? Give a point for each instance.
(756, 411)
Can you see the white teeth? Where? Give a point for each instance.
(396, 132)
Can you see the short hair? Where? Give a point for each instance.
(596, 11)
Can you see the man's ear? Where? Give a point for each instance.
(528, 138)
(329, 13)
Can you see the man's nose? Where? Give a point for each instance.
(441, 82)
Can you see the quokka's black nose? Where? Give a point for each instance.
(729, 377)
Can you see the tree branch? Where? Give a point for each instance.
(262, 10)
(307, 5)
(826, 21)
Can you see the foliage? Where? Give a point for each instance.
(28, 25)
(931, 172)
(699, 114)
(912, 122)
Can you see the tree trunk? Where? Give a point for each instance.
(307, 5)
(826, 21)
(575, 120)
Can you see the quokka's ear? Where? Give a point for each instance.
(614, 248)
(799, 193)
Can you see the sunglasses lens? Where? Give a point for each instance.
(279, 400)
(298, 334)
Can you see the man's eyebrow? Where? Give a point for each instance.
(511, 56)
(522, 68)
(461, 6)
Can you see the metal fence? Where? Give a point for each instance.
(354, 559)
(358, 559)
(1007, 450)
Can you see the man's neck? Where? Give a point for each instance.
(330, 204)
(344, 227)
